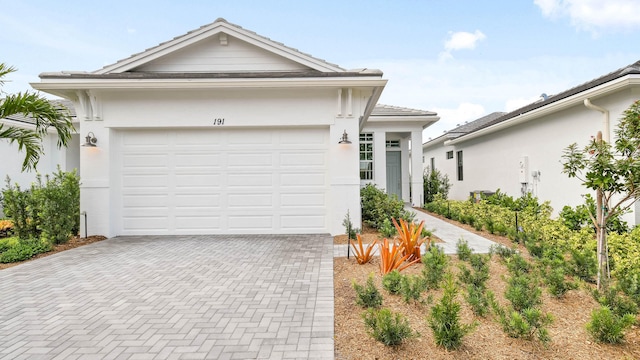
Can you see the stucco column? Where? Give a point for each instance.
(416, 168)
(344, 162)
(380, 159)
(404, 164)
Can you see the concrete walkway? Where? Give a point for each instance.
(447, 232)
(173, 297)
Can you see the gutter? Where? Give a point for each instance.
(605, 120)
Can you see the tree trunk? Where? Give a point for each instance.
(601, 235)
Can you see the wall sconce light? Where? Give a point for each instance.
(90, 140)
(345, 138)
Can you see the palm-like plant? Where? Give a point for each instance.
(46, 115)
(410, 236)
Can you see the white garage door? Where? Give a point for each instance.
(221, 181)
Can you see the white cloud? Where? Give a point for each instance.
(460, 40)
(594, 15)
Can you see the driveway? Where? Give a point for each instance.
(173, 297)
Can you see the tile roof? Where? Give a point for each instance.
(466, 128)
(62, 104)
(219, 20)
(632, 69)
(389, 110)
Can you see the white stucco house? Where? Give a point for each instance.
(223, 131)
(521, 151)
(52, 157)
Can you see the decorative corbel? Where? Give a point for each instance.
(95, 106)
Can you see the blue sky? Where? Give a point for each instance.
(460, 58)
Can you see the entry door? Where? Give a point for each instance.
(394, 174)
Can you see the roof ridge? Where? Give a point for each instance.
(223, 21)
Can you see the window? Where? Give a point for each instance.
(459, 161)
(450, 154)
(393, 143)
(366, 156)
(433, 163)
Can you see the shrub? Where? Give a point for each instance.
(368, 296)
(463, 250)
(526, 324)
(523, 292)
(556, 280)
(517, 265)
(607, 327)
(387, 327)
(363, 255)
(445, 318)
(435, 263)
(503, 251)
(618, 303)
(50, 209)
(8, 243)
(24, 250)
(435, 184)
(411, 287)
(584, 264)
(478, 275)
(479, 299)
(378, 206)
(386, 229)
(391, 282)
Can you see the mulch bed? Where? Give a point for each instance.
(72, 243)
(569, 338)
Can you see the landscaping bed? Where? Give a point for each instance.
(72, 243)
(568, 334)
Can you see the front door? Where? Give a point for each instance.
(394, 174)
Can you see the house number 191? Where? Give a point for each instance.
(219, 121)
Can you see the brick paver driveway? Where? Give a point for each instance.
(179, 297)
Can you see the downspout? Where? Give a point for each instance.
(605, 112)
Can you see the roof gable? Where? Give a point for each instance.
(220, 47)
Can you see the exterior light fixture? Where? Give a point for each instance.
(345, 138)
(90, 140)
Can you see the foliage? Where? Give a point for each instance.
(378, 206)
(387, 327)
(463, 250)
(435, 263)
(410, 237)
(624, 251)
(580, 217)
(24, 250)
(435, 184)
(6, 227)
(411, 287)
(8, 243)
(479, 299)
(523, 292)
(50, 209)
(363, 255)
(348, 227)
(526, 324)
(387, 229)
(613, 171)
(46, 115)
(445, 318)
(367, 296)
(477, 295)
(583, 263)
(391, 282)
(607, 327)
(503, 252)
(555, 278)
(391, 257)
(618, 303)
(517, 265)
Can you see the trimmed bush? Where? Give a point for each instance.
(378, 206)
(386, 326)
(411, 287)
(607, 327)
(435, 263)
(392, 281)
(445, 318)
(463, 250)
(368, 296)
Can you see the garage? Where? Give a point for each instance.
(220, 181)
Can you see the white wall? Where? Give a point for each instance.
(492, 161)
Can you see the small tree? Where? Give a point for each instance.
(613, 172)
(435, 183)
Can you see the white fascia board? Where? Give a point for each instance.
(124, 84)
(434, 142)
(425, 120)
(577, 99)
(204, 33)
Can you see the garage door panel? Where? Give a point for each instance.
(248, 179)
(222, 181)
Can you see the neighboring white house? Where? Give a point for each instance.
(223, 131)
(11, 164)
(521, 151)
